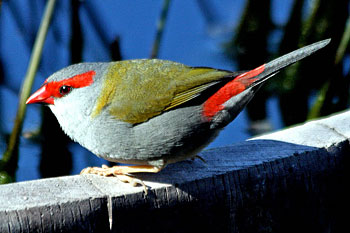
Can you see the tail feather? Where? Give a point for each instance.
(279, 63)
(232, 96)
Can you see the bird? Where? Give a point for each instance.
(149, 113)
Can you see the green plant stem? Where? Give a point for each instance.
(315, 110)
(343, 43)
(28, 81)
(309, 23)
(160, 29)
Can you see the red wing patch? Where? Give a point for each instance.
(251, 73)
(215, 103)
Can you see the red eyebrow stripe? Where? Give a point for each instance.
(77, 81)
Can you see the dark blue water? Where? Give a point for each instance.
(189, 37)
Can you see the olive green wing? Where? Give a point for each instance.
(137, 90)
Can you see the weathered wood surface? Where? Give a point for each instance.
(289, 181)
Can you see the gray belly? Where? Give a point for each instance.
(170, 137)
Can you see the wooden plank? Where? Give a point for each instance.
(53, 205)
(288, 181)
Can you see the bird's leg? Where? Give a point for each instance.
(123, 172)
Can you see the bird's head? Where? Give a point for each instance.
(71, 94)
(64, 82)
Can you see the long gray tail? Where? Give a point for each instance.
(235, 104)
(275, 65)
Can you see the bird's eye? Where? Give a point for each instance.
(64, 90)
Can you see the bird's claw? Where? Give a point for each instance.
(127, 178)
(117, 172)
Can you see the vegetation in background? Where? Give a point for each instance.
(9, 160)
(160, 29)
(249, 48)
(313, 87)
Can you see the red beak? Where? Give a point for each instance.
(41, 96)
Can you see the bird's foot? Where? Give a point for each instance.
(120, 170)
(123, 173)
